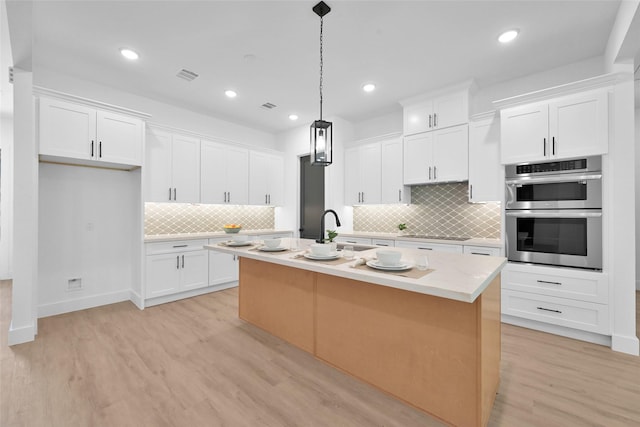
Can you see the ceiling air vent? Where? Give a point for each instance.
(268, 106)
(186, 75)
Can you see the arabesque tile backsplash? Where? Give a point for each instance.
(178, 218)
(435, 210)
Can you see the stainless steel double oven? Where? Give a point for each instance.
(553, 213)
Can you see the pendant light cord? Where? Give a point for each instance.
(321, 65)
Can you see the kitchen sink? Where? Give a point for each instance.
(356, 248)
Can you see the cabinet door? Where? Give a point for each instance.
(524, 133)
(418, 158)
(162, 274)
(194, 270)
(418, 118)
(485, 172)
(157, 168)
(451, 154)
(223, 268)
(451, 110)
(481, 250)
(392, 188)
(237, 162)
(185, 170)
(213, 173)
(370, 165)
(578, 125)
(258, 172)
(352, 189)
(275, 180)
(119, 138)
(66, 129)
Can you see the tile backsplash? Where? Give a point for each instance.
(178, 218)
(435, 210)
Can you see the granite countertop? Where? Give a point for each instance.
(459, 277)
(207, 235)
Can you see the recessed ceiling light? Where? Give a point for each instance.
(129, 54)
(293, 117)
(369, 87)
(230, 93)
(508, 36)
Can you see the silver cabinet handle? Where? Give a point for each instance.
(399, 195)
(265, 199)
(182, 261)
(92, 148)
(224, 195)
(363, 197)
(175, 194)
(429, 172)
(426, 249)
(269, 198)
(169, 193)
(549, 283)
(381, 244)
(549, 309)
(180, 246)
(479, 253)
(100, 149)
(544, 147)
(435, 120)
(177, 262)
(434, 173)
(553, 145)
(429, 120)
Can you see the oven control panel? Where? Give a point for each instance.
(565, 165)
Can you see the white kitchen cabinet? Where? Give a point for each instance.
(439, 156)
(486, 180)
(173, 267)
(172, 167)
(224, 174)
(383, 242)
(266, 178)
(440, 112)
(223, 268)
(438, 247)
(76, 131)
(393, 189)
(363, 165)
(481, 250)
(565, 127)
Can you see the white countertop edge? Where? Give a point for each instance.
(207, 235)
(343, 270)
(474, 241)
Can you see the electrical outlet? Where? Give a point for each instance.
(74, 284)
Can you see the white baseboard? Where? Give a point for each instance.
(52, 309)
(558, 330)
(6, 276)
(136, 298)
(626, 344)
(188, 294)
(21, 335)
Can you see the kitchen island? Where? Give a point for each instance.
(433, 341)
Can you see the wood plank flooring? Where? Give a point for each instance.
(194, 363)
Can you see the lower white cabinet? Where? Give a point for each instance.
(439, 247)
(383, 242)
(223, 268)
(178, 266)
(481, 250)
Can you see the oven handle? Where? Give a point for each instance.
(555, 178)
(554, 214)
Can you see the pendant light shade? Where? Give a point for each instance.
(321, 137)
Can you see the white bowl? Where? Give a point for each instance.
(240, 238)
(320, 249)
(272, 243)
(389, 258)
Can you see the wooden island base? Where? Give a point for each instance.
(439, 355)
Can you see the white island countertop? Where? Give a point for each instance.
(458, 277)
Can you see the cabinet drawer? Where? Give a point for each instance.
(481, 250)
(353, 240)
(582, 286)
(439, 247)
(175, 246)
(586, 316)
(383, 242)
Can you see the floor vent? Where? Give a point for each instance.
(187, 75)
(268, 106)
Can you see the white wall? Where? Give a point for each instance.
(383, 125)
(87, 217)
(295, 143)
(161, 112)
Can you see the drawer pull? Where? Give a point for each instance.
(177, 262)
(479, 253)
(381, 244)
(549, 283)
(426, 249)
(548, 309)
(351, 241)
(180, 246)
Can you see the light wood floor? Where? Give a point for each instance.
(194, 363)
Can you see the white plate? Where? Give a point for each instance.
(375, 264)
(266, 249)
(232, 243)
(334, 255)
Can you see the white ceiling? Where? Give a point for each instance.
(405, 47)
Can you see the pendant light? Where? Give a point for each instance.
(321, 131)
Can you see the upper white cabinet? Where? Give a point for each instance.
(439, 112)
(564, 127)
(172, 167)
(362, 180)
(485, 172)
(393, 189)
(224, 174)
(266, 178)
(439, 156)
(76, 131)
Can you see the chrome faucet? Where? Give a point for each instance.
(321, 239)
